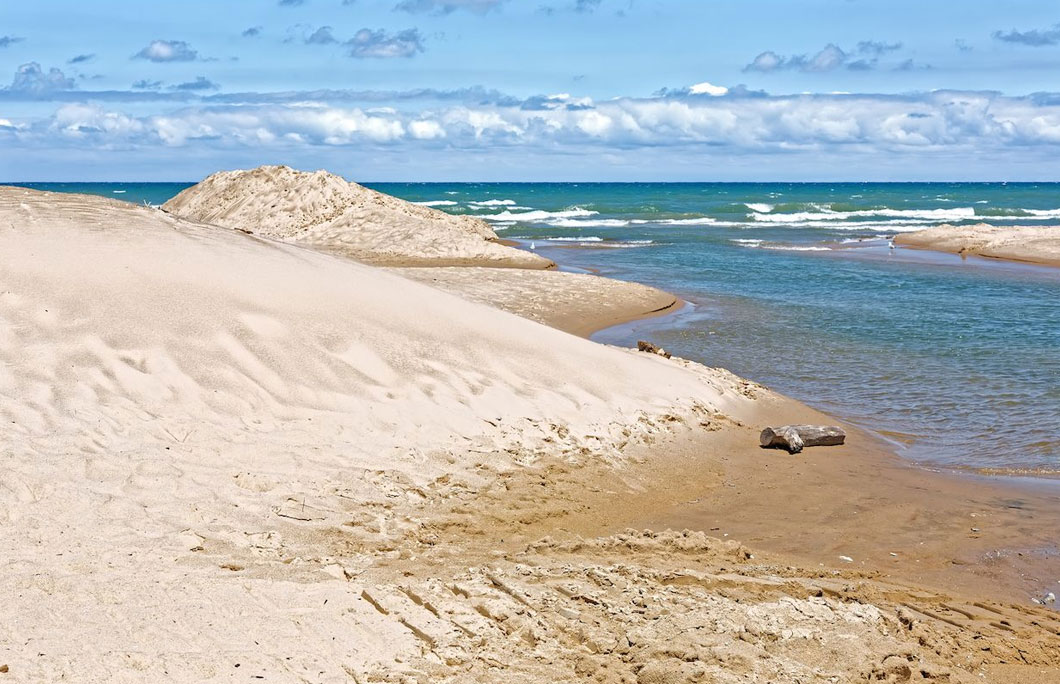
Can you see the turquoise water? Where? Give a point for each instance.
(794, 285)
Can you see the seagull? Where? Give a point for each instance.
(533, 245)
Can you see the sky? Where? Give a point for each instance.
(532, 90)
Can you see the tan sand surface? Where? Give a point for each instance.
(228, 458)
(1032, 244)
(574, 302)
(329, 212)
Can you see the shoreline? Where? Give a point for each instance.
(964, 254)
(870, 470)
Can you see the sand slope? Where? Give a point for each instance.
(1033, 244)
(577, 303)
(163, 383)
(326, 211)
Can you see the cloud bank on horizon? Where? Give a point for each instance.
(506, 90)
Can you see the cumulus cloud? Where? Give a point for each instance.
(167, 51)
(80, 59)
(7, 41)
(252, 32)
(144, 84)
(85, 121)
(291, 3)
(883, 123)
(586, 5)
(31, 80)
(706, 88)
(443, 6)
(865, 56)
(200, 83)
(379, 44)
(1033, 38)
(321, 36)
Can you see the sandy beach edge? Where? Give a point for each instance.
(1037, 245)
(814, 508)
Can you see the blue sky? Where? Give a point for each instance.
(532, 89)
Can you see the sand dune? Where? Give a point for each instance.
(1032, 244)
(229, 458)
(326, 211)
(163, 383)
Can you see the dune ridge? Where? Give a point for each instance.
(329, 212)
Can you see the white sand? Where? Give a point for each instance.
(1032, 244)
(164, 383)
(227, 458)
(577, 303)
(326, 211)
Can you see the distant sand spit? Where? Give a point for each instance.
(1031, 244)
(327, 211)
(231, 458)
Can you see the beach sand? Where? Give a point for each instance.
(573, 302)
(230, 458)
(1031, 244)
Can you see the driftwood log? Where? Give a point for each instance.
(650, 348)
(795, 437)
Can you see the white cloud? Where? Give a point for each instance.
(30, 78)
(426, 130)
(933, 121)
(167, 51)
(706, 88)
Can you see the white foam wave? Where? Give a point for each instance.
(759, 207)
(539, 216)
(118, 192)
(957, 214)
(494, 203)
(587, 238)
(895, 226)
(1043, 213)
(698, 221)
(746, 241)
(587, 223)
(437, 203)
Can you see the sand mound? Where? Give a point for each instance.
(326, 211)
(166, 386)
(1033, 244)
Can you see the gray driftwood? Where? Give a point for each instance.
(795, 437)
